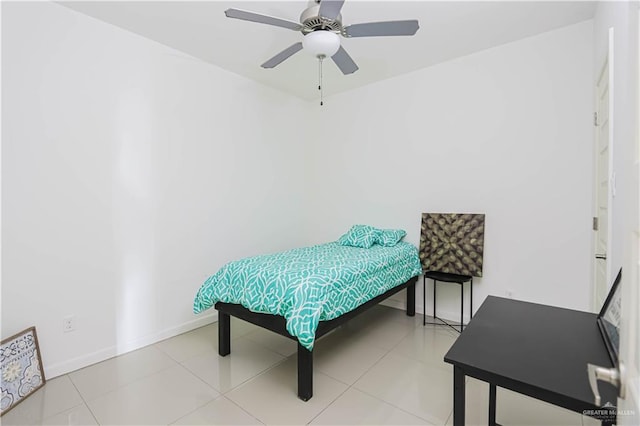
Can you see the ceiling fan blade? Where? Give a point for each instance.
(344, 61)
(262, 19)
(388, 28)
(285, 54)
(330, 9)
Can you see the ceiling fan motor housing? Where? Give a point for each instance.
(312, 21)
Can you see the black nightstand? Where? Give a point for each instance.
(447, 278)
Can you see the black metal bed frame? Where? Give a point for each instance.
(277, 324)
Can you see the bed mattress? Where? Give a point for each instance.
(310, 284)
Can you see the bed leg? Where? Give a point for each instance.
(224, 334)
(305, 373)
(411, 299)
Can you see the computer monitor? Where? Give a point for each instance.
(609, 319)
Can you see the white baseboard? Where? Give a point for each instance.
(398, 304)
(55, 370)
(82, 361)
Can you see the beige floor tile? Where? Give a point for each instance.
(345, 359)
(200, 340)
(476, 403)
(449, 421)
(108, 375)
(382, 314)
(273, 341)
(220, 411)
(79, 415)
(427, 344)
(247, 359)
(357, 408)
(421, 389)
(161, 398)
(390, 358)
(272, 397)
(387, 313)
(56, 396)
(187, 345)
(376, 331)
(240, 328)
(513, 408)
(517, 409)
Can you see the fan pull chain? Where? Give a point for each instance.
(320, 58)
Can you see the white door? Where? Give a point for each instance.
(603, 193)
(629, 407)
(627, 377)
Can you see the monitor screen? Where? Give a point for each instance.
(609, 319)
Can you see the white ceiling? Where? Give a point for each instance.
(448, 29)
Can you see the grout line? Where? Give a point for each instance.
(387, 352)
(120, 386)
(280, 361)
(260, 373)
(85, 403)
(206, 384)
(395, 406)
(242, 408)
(329, 404)
(351, 385)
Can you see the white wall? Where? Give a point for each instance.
(130, 172)
(506, 132)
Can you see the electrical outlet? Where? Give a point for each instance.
(69, 323)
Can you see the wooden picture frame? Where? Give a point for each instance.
(22, 372)
(609, 319)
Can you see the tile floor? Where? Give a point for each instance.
(381, 368)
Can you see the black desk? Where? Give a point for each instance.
(536, 350)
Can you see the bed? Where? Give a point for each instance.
(306, 292)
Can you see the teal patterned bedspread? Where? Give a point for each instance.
(310, 284)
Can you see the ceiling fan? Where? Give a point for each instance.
(321, 23)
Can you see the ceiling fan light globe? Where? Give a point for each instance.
(321, 43)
